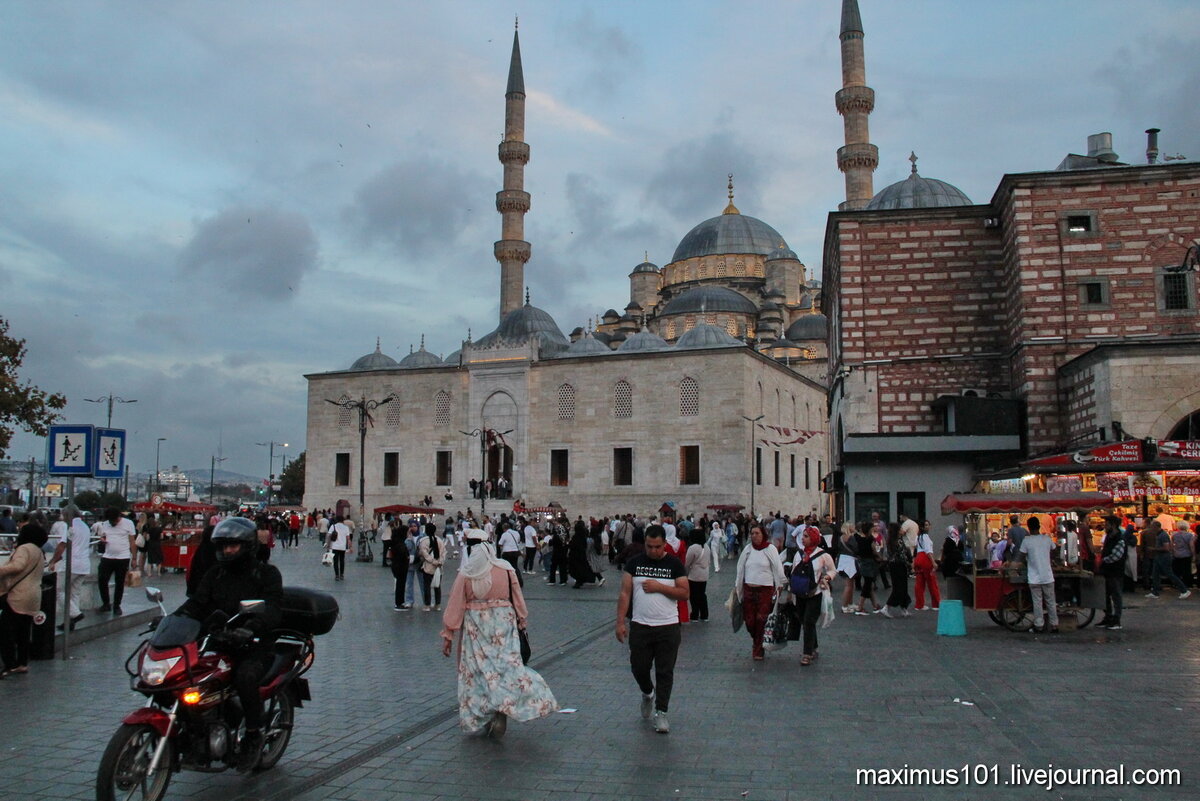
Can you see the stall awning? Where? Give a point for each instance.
(171, 506)
(404, 509)
(1000, 503)
(725, 507)
(551, 508)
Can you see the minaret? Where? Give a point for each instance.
(858, 157)
(512, 251)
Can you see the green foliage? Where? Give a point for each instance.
(21, 405)
(87, 500)
(291, 480)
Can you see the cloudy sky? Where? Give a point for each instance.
(202, 201)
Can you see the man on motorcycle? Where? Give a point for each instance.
(239, 576)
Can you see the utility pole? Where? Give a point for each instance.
(364, 407)
(753, 462)
(212, 474)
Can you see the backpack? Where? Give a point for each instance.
(803, 581)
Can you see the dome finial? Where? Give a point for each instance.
(912, 156)
(468, 333)
(647, 259)
(526, 296)
(516, 23)
(731, 209)
(422, 342)
(377, 350)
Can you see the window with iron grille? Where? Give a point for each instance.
(394, 413)
(391, 469)
(731, 326)
(566, 402)
(758, 466)
(792, 470)
(623, 400)
(441, 408)
(1176, 294)
(689, 464)
(777, 468)
(559, 467)
(344, 417)
(689, 398)
(623, 467)
(341, 469)
(442, 473)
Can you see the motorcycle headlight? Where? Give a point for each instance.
(154, 671)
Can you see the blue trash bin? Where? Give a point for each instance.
(951, 622)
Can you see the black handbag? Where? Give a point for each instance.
(526, 652)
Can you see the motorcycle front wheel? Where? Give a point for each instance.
(278, 730)
(124, 769)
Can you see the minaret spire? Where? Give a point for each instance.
(858, 158)
(512, 251)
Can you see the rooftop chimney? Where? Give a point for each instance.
(1100, 147)
(1151, 145)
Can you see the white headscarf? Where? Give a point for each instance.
(478, 568)
(952, 532)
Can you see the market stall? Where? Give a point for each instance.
(183, 527)
(1003, 592)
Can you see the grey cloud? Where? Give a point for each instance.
(419, 206)
(260, 252)
(691, 182)
(612, 55)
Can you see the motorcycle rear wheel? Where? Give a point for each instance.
(122, 775)
(278, 730)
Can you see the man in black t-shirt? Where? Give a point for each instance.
(652, 586)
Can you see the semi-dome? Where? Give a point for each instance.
(526, 323)
(710, 299)
(377, 360)
(706, 336)
(808, 327)
(421, 358)
(585, 346)
(643, 341)
(915, 192)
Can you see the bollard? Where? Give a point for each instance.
(951, 622)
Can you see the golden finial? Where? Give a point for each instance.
(647, 256)
(731, 209)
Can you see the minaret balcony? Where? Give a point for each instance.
(514, 152)
(512, 200)
(855, 98)
(857, 155)
(508, 250)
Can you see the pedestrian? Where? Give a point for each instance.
(696, 562)
(1159, 542)
(1183, 551)
(117, 534)
(71, 528)
(923, 566)
(652, 586)
(431, 549)
(152, 534)
(322, 529)
(716, 538)
(485, 611)
(898, 564)
(952, 549)
(1112, 566)
(760, 576)
(868, 567)
(266, 538)
(677, 548)
(399, 565)
(1035, 550)
(598, 550)
(847, 565)
(384, 533)
(20, 598)
(341, 540)
(579, 568)
(529, 541)
(817, 568)
(511, 548)
(413, 580)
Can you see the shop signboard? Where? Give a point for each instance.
(1183, 482)
(1128, 452)
(1179, 449)
(1065, 484)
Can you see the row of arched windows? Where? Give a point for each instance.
(394, 414)
(622, 399)
(788, 405)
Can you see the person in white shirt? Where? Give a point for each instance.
(341, 539)
(759, 578)
(71, 528)
(510, 550)
(117, 534)
(908, 532)
(530, 543)
(1035, 550)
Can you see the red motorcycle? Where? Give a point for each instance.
(192, 719)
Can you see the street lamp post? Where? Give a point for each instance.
(753, 464)
(364, 407)
(271, 464)
(484, 435)
(212, 474)
(157, 454)
(109, 399)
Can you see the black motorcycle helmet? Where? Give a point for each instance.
(235, 530)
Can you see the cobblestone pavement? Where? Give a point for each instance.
(383, 721)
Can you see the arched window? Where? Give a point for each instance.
(394, 413)
(441, 408)
(778, 408)
(795, 422)
(1188, 428)
(689, 398)
(623, 400)
(566, 402)
(344, 420)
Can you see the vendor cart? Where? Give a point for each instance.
(1004, 592)
(179, 544)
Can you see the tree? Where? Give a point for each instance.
(22, 405)
(291, 480)
(87, 500)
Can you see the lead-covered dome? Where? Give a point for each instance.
(710, 299)
(706, 336)
(421, 358)
(643, 341)
(729, 233)
(378, 360)
(528, 322)
(586, 345)
(915, 192)
(808, 327)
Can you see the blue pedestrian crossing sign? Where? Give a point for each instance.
(71, 450)
(109, 460)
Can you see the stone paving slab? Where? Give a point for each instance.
(383, 722)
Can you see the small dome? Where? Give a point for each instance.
(710, 299)
(611, 313)
(421, 358)
(806, 302)
(808, 327)
(645, 267)
(528, 322)
(782, 252)
(643, 341)
(586, 345)
(915, 192)
(454, 358)
(633, 306)
(783, 343)
(729, 233)
(706, 336)
(378, 360)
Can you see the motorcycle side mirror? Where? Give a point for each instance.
(154, 594)
(248, 607)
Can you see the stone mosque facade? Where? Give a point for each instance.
(707, 388)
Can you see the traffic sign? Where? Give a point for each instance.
(70, 450)
(110, 453)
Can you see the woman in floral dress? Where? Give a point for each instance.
(486, 608)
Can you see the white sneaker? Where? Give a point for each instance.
(1151, 595)
(661, 724)
(847, 610)
(906, 613)
(1186, 594)
(885, 612)
(647, 706)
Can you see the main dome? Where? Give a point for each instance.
(729, 233)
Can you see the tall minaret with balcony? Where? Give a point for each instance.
(512, 251)
(858, 157)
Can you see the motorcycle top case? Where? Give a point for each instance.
(308, 611)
